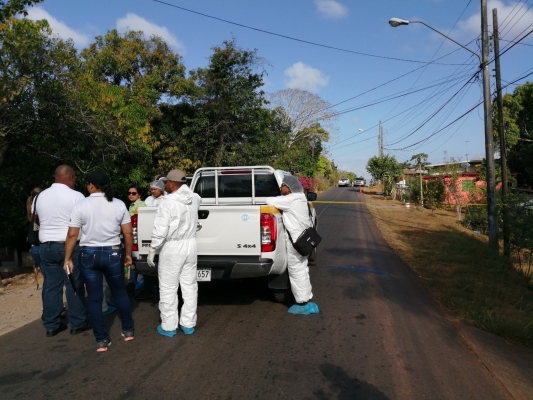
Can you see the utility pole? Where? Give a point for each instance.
(380, 141)
(421, 185)
(501, 132)
(489, 145)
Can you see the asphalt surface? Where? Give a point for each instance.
(378, 336)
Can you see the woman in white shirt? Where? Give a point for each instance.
(101, 219)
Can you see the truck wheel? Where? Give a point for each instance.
(283, 296)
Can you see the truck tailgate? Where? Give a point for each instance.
(225, 230)
(229, 230)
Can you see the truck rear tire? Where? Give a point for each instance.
(283, 296)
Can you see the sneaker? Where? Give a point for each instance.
(110, 310)
(127, 335)
(102, 345)
(187, 331)
(162, 332)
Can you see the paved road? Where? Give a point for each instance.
(379, 336)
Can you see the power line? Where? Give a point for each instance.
(299, 40)
(457, 119)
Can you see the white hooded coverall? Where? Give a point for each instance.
(175, 232)
(296, 219)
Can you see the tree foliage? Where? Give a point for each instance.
(125, 105)
(518, 123)
(10, 8)
(386, 165)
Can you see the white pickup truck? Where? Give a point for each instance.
(238, 236)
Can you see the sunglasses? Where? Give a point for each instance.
(132, 193)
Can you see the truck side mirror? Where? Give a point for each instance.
(311, 196)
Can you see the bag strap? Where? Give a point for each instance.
(35, 209)
(310, 218)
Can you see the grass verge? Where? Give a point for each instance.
(476, 286)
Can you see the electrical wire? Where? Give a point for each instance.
(296, 39)
(457, 119)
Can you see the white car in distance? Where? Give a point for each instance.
(343, 182)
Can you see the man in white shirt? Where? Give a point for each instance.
(54, 207)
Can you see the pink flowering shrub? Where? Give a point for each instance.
(309, 184)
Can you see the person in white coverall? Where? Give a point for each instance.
(175, 234)
(295, 214)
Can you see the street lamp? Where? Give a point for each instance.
(489, 145)
(395, 22)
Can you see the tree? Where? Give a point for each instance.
(378, 167)
(37, 131)
(310, 117)
(10, 8)
(229, 108)
(384, 169)
(518, 122)
(123, 80)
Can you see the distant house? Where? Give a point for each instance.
(469, 189)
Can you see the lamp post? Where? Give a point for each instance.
(489, 145)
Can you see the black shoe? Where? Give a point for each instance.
(84, 327)
(61, 328)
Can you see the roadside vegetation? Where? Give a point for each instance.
(476, 286)
(127, 105)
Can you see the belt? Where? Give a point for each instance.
(52, 242)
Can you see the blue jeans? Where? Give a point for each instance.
(52, 258)
(97, 262)
(36, 256)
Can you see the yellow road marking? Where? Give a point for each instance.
(364, 202)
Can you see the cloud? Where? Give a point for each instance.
(331, 9)
(304, 77)
(513, 20)
(59, 28)
(135, 23)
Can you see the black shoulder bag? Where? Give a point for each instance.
(308, 240)
(33, 228)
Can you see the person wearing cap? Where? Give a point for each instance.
(157, 189)
(174, 234)
(53, 207)
(101, 219)
(293, 204)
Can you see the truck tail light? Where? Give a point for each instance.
(269, 232)
(135, 246)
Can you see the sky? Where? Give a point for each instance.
(423, 88)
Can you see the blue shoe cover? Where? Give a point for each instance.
(162, 332)
(309, 308)
(298, 309)
(313, 308)
(187, 331)
(110, 309)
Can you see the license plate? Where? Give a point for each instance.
(203, 274)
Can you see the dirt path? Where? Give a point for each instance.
(20, 302)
